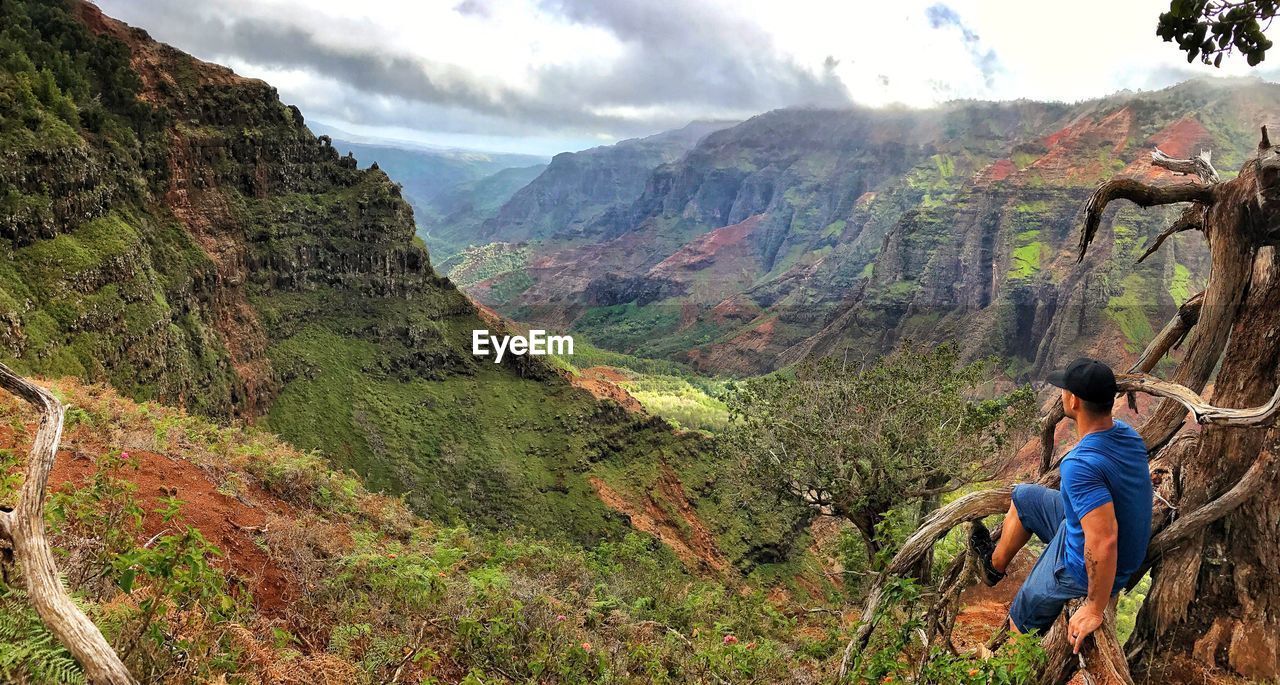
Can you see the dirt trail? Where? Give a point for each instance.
(233, 524)
(984, 609)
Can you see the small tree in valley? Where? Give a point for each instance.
(857, 441)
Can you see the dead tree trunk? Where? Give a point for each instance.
(1215, 554)
(1216, 597)
(23, 529)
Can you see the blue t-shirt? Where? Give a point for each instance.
(1108, 466)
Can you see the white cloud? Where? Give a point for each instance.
(570, 71)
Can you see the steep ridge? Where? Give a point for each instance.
(871, 226)
(174, 230)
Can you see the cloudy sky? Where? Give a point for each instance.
(543, 76)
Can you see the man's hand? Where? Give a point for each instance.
(1083, 622)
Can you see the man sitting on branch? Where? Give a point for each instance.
(1096, 528)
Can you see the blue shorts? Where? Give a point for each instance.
(1050, 585)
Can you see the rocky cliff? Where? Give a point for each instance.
(807, 231)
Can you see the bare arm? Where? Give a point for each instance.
(1100, 535)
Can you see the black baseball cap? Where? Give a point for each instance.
(1088, 379)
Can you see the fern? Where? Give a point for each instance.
(29, 653)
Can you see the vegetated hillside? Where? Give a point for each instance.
(175, 230)
(808, 231)
(209, 553)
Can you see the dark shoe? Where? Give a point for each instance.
(982, 545)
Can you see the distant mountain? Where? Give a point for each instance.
(451, 220)
(445, 186)
(578, 188)
(805, 232)
(463, 198)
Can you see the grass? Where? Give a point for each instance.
(664, 388)
(488, 447)
(1180, 285)
(388, 595)
(679, 401)
(1128, 310)
(1025, 260)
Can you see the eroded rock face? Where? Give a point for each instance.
(146, 243)
(867, 227)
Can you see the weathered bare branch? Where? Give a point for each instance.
(24, 527)
(1191, 219)
(1053, 415)
(1172, 335)
(1192, 523)
(942, 614)
(968, 508)
(1140, 194)
(1201, 165)
(1204, 413)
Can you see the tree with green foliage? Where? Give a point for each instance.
(856, 441)
(1212, 29)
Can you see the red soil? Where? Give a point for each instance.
(1182, 138)
(985, 609)
(667, 514)
(715, 264)
(602, 382)
(701, 251)
(737, 308)
(1072, 153)
(232, 524)
(737, 352)
(998, 170)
